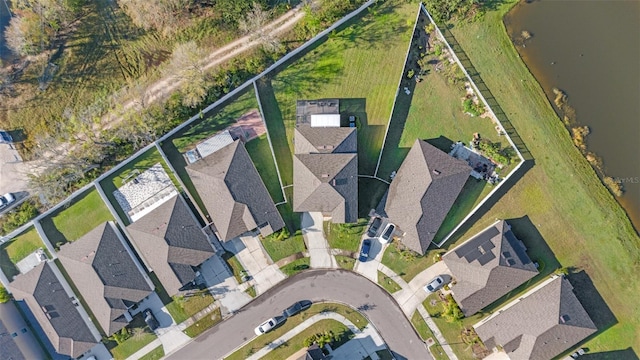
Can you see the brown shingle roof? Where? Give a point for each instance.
(540, 325)
(171, 241)
(423, 191)
(488, 266)
(43, 292)
(325, 172)
(233, 192)
(106, 275)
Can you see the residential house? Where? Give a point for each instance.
(233, 193)
(172, 244)
(422, 193)
(105, 272)
(488, 266)
(17, 340)
(325, 172)
(52, 303)
(540, 325)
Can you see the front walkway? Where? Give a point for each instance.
(365, 343)
(319, 249)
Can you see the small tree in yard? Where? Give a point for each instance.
(185, 66)
(4, 295)
(254, 24)
(452, 312)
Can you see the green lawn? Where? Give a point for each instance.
(296, 266)
(203, 324)
(472, 193)
(297, 342)
(560, 199)
(155, 354)
(343, 67)
(409, 264)
(387, 283)
(140, 164)
(425, 333)
(215, 121)
(23, 245)
(183, 308)
(280, 249)
(260, 153)
(345, 236)
(345, 262)
(258, 343)
(251, 291)
(131, 345)
(83, 214)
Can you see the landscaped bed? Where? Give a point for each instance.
(83, 214)
(258, 343)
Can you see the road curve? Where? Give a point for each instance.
(316, 285)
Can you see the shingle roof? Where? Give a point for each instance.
(488, 266)
(233, 192)
(325, 140)
(171, 241)
(105, 273)
(41, 289)
(325, 172)
(541, 325)
(423, 191)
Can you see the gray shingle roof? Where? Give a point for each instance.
(423, 191)
(488, 266)
(41, 289)
(105, 274)
(233, 192)
(171, 241)
(325, 140)
(325, 172)
(539, 326)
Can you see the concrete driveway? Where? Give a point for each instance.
(316, 285)
(369, 268)
(413, 295)
(319, 249)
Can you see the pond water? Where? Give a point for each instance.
(591, 50)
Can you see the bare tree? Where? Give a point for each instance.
(186, 66)
(161, 15)
(254, 24)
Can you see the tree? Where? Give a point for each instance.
(25, 35)
(254, 22)
(185, 66)
(444, 10)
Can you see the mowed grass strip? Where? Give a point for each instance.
(23, 245)
(263, 340)
(207, 322)
(388, 283)
(560, 196)
(360, 65)
(260, 153)
(345, 262)
(280, 249)
(407, 263)
(83, 214)
(155, 354)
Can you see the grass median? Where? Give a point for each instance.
(261, 341)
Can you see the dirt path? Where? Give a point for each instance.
(164, 87)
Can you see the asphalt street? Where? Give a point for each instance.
(317, 285)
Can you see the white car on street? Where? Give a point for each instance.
(266, 326)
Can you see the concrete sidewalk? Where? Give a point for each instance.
(319, 249)
(412, 294)
(365, 342)
(436, 332)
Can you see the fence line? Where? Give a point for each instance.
(406, 59)
(266, 128)
(486, 104)
(375, 177)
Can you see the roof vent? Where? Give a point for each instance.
(506, 254)
(511, 262)
(437, 172)
(325, 175)
(564, 318)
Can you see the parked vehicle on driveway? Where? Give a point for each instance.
(386, 235)
(296, 308)
(6, 199)
(374, 227)
(5, 137)
(150, 319)
(364, 251)
(434, 284)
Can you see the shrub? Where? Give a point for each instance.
(452, 312)
(4, 295)
(410, 73)
(493, 151)
(20, 216)
(472, 108)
